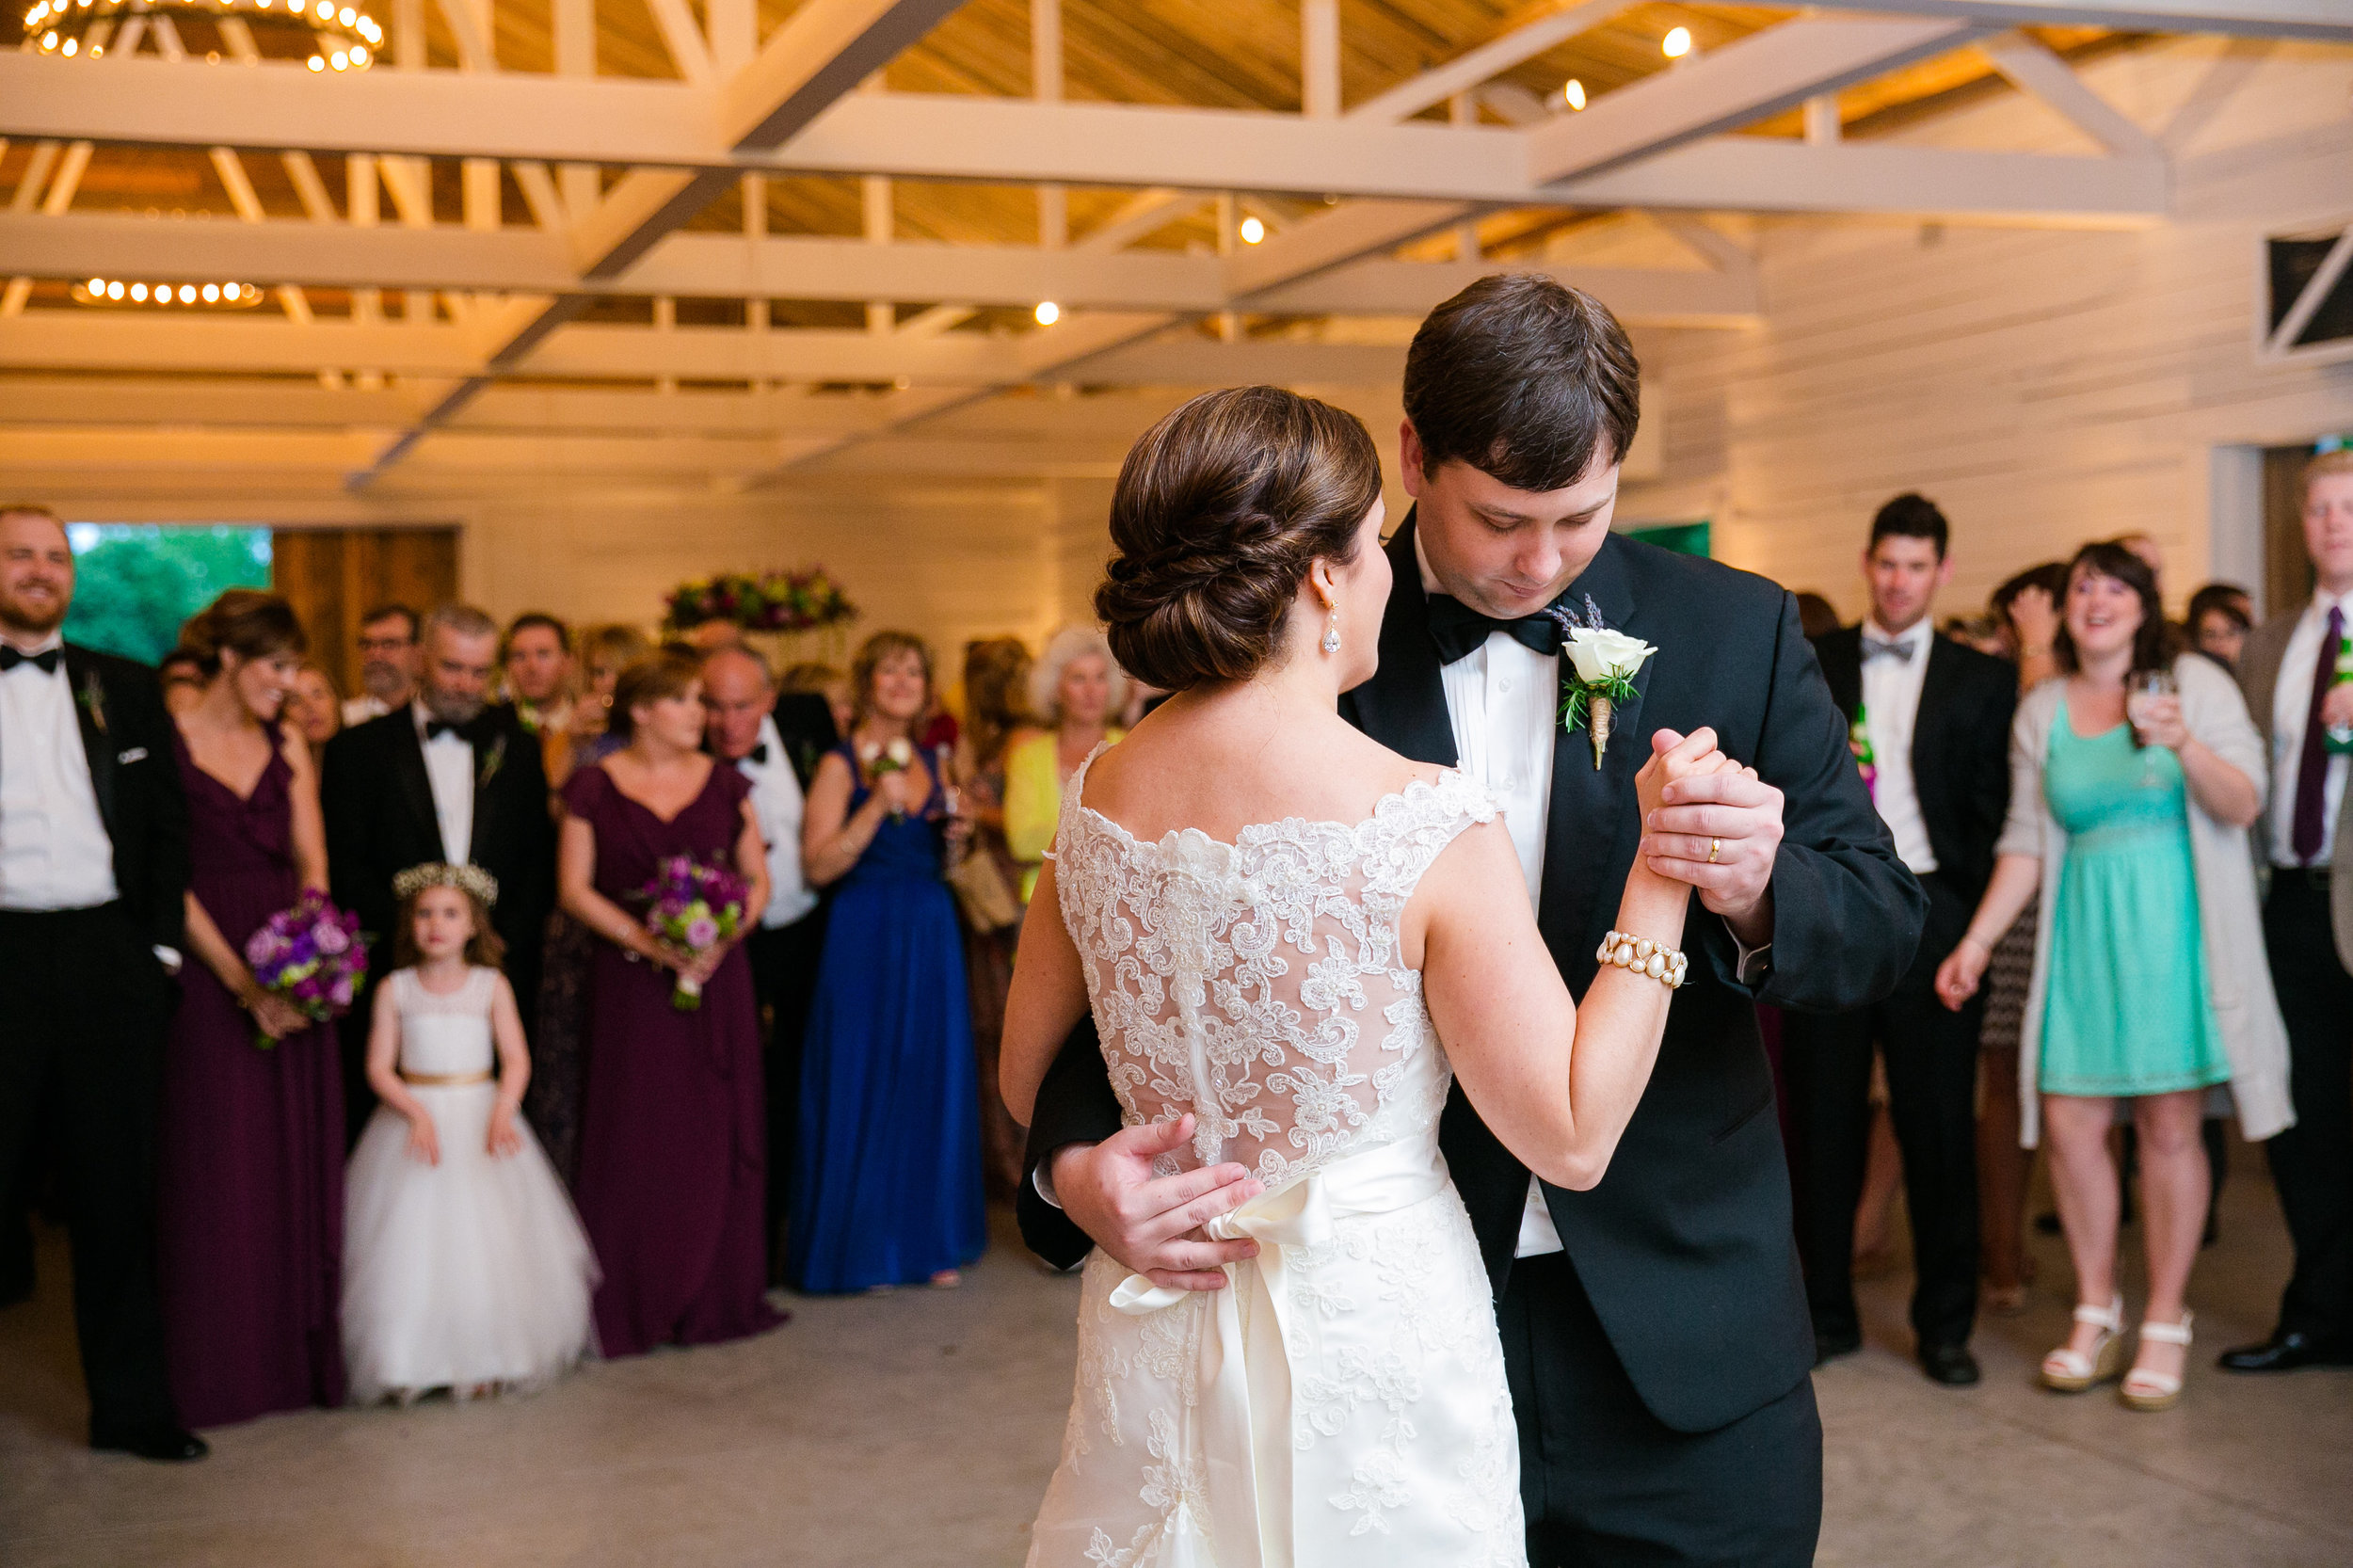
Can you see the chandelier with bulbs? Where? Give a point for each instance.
(113, 291)
(326, 35)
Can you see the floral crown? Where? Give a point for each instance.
(471, 880)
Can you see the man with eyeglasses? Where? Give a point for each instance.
(389, 660)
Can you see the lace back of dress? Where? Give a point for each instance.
(1259, 985)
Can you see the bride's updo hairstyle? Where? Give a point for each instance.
(1221, 510)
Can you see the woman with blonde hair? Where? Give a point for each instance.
(1075, 689)
(887, 1172)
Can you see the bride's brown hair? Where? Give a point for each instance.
(1221, 510)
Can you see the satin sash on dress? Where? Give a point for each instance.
(1244, 1369)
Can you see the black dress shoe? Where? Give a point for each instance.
(1829, 1344)
(167, 1445)
(1950, 1365)
(2284, 1353)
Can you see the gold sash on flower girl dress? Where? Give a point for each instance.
(446, 1080)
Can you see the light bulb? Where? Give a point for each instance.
(187, 294)
(327, 10)
(341, 61)
(97, 285)
(1676, 44)
(1574, 93)
(347, 16)
(71, 46)
(1048, 312)
(315, 63)
(211, 294)
(1252, 230)
(360, 55)
(113, 291)
(138, 293)
(48, 40)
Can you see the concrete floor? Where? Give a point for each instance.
(919, 1430)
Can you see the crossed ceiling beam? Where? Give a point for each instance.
(2326, 21)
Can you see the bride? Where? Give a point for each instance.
(1292, 940)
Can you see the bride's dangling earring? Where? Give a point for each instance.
(1332, 633)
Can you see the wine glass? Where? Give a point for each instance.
(2141, 693)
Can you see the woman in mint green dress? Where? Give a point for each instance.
(2132, 829)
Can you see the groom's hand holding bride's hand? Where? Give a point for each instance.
(1718, 830)
(1151, 1225)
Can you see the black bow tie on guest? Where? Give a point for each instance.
(1458, 630)
(1873, 648)
(473, 732)
(46, 659)
(758, 755)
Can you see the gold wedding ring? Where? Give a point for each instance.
(1714, 847)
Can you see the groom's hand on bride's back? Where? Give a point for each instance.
(1719, 830)
(1151, 1224)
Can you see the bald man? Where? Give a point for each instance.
(749, 729)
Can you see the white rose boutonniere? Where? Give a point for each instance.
(1598, 675)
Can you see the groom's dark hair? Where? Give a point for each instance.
(1524, 379)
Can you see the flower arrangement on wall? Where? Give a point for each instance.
(804, 599)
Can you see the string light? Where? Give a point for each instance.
(113, 291)
(1048, 312)
(1252, 230)
(331, 35)
(1573, 94)
(1676, 44)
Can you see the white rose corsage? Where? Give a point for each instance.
(1597, 670)
(897, 757)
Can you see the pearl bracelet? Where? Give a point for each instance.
(1641, 955)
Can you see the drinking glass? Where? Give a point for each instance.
(2141, 693)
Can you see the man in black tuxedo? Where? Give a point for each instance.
(1935, 718)
(1654, 1328)
(776, 740)
(450, 778)
(93, 881)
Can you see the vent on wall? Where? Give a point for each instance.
(2307, 302)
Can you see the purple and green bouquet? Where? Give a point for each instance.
(310, 956)
(804, 599)
(692, 906)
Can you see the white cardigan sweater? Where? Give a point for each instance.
(2238, 976)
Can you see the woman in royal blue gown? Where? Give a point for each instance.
(887, 1187)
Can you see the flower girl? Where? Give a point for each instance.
(465, 1267)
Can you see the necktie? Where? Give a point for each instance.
(45, 661)
(1458, 630)
(465, 730)
(1873, 648)
(2311, 764)
(758, 755)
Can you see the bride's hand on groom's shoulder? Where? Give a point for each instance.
(1710, 822)
(1151, 1225)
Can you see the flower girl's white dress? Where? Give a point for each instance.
(469, 1272)
(1341, 1403)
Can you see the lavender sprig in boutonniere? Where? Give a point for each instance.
(92, 699)
(1597, 671)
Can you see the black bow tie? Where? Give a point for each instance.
(46, 659)
(1458, 630)
(468, 731)
(758, 755)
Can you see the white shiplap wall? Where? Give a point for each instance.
(2044, 387)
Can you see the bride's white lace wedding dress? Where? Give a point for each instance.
(1343, 1400)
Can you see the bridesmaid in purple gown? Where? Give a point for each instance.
(673, 1174)
(251, 1157)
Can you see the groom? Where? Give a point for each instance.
(1655, 1329)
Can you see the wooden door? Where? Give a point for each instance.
(333, 576)
(2287, 566)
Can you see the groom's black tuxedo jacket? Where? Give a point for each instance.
(379, 803)
(1685, 1248)
(1959, 747)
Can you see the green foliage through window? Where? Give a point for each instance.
(134, 583)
